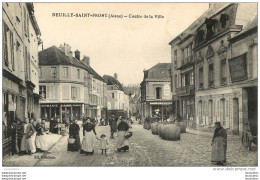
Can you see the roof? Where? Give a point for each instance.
(158, 71)
(113, 81)
(54, 56)
(251, 25)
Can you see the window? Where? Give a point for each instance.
(40, 72)
(201, 78)
(53, 71)
(113, 95)
(65, 71)
(42, 91)
(26, 22)
(211, 75)
(183, 80)
(73, 92)
(223, 72)
(223, 19)
(78, 73)
(158, 93)
(8, 47)
(175, 57)
(191, 78)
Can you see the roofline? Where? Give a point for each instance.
(248, 31)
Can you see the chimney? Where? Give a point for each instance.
(115, 75)
(66, 49)
(77, 55)
(86, 60)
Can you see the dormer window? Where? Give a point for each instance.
(200, 35)
(210, 26)
(223, 20)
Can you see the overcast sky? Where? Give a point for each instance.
(126, 45)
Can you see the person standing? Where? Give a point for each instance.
(113, 126)
(219, 145)
(122, 141)
(74, 133)
(40, 140)
(89, 134)
(32, 122)
(28, 131)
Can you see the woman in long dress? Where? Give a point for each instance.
(32, 122)
(89, 134)
(41, 140)
(74, 133)
(27, 130)
(219, 145)
(122, 141)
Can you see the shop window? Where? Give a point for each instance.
(201, 78)
(158, 93)
(42, 91)
(223, 72)
(211, 75)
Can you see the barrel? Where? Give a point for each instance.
(182, 125)
(154, 127)
(169, 132)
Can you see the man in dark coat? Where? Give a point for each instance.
(113, 125)
(74, 133)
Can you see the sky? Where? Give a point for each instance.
(125, 46)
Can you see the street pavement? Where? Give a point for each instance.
(146, 149)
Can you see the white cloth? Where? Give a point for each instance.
(88, 142)
(26, 144)
(104, 143)
(121, 140)
(41, 142)
(32, 142)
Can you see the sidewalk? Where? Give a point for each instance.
(27, 160)
(205, 133)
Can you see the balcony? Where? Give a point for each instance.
(185, 91)
(186, 62)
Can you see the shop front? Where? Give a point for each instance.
(161, 110)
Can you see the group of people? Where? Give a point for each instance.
(33, 137)
(90, 135)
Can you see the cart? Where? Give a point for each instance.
(249, 135)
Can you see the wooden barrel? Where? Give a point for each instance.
(148, 126)
(154, 127)
(160, 129)
(173, 132)
(182, 125)
(145, 125)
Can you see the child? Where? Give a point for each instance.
(103, 143)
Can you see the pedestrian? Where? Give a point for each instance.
(122, 141)
(88, 141)
(74, 133)
(113, 126)
(52, 125)
(33, 123)
(219, 145)
(41, 137)
(28, 130)
(104, 143)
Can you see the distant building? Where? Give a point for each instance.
(117, 99)
(20, 96)
(217, 56)
(156, 98)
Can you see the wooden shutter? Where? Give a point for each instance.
(6, 29)
(12, 49)
(48, 92)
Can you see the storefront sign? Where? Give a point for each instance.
(238, 69)
(160, 103)
(49, 105)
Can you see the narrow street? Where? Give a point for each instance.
(147, 149)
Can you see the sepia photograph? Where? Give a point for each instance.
(88, 84)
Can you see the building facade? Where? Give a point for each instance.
(156, 91)
(223, 62)
(20, 96)
(117, 99)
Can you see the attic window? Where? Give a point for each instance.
(210, 26)
(223, 19)
(200, 35)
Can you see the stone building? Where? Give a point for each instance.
(20, 95)
(223, 62)
(156, 91)
(95, 93)
(117, 99)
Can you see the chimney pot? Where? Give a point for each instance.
(77, 54)
(115, 75)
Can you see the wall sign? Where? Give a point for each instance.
(238, 68)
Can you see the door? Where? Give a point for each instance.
(235, 116)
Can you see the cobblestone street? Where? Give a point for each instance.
(147, 149)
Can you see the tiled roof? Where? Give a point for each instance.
(159, 71)
(113, 81)
(252, 24)
(54, 56)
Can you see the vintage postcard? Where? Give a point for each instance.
(130, 85)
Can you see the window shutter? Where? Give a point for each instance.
(6, 29)
(48, 92)
(12, 49)
(78, 92)
(55, 92)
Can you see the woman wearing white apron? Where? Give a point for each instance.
(89, 134)
(32, 122)
(27, 130)
(41, 141)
